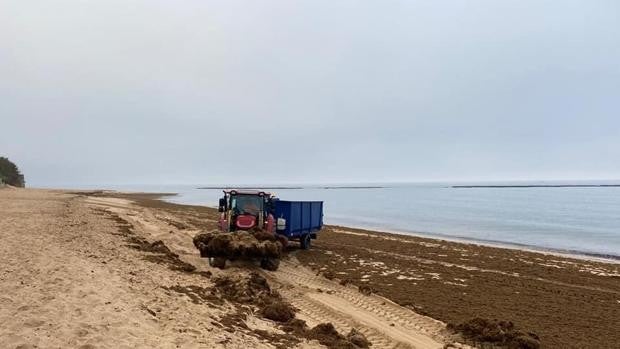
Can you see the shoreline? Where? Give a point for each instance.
(576, 254)
(296, 188)
(581, 255)
(348, 276)
(546, 294)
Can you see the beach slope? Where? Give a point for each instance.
(87, 270)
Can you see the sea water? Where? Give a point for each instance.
(573, 220)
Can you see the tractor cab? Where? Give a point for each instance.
(246, 210)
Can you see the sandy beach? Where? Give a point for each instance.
(108, 270)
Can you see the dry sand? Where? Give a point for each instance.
(86, 270)
(68, 280)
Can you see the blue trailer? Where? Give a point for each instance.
(299, 220)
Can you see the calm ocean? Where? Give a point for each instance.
(573, 220)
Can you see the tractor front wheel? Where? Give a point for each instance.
(217, 262)
(305, 241)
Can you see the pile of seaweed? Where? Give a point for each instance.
(238, 245)
(256, 291)
(327, 335)
(497, 333)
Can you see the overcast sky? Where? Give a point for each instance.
(310, 91)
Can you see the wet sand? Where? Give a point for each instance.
(569, 303)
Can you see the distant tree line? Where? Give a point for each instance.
(9, 173)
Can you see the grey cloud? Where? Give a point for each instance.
(309, 91)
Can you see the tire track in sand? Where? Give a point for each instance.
(384, 323)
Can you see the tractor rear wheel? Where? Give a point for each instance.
(217, 262)
(305, 241)
(270, 264)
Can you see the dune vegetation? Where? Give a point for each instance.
(10, 174)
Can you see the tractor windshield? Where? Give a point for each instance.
(246, 204)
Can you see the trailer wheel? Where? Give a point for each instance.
(305, 241)
(270, 264)
(217, 262)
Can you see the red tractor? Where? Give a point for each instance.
(246, 210)
(250, 210)
(288, 220)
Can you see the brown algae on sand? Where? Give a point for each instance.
(327, 335)
(239, 245)
(497, 333)
(278, 311)
(255, 290)
(159, 252)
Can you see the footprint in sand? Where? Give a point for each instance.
(25, 346)
(24, 308)
(34, 323)
(81, 332)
